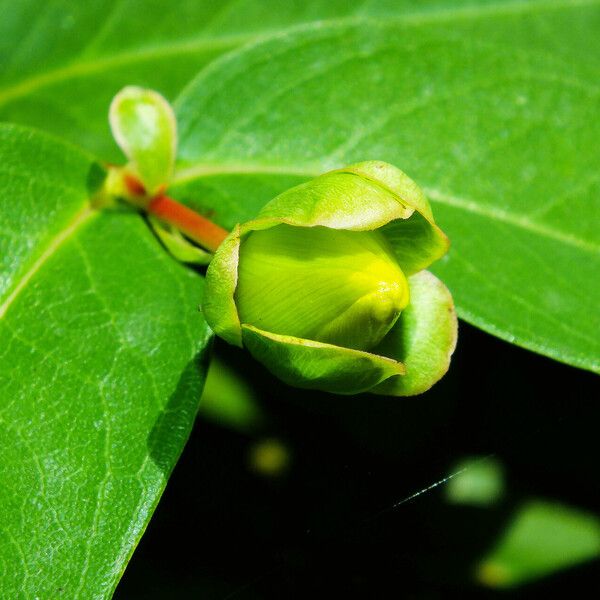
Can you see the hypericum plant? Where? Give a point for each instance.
(326, 286)
(104, 350)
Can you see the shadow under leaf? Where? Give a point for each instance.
(176, 420)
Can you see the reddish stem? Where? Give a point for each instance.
(197, 228)
(134, 186)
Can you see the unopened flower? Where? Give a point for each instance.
(327, 288)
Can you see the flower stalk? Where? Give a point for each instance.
(197, 228)
(122, 184)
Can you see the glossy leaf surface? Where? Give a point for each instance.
(492, 110)
(62, 62)
(102, 369)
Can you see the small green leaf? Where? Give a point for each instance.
(423, 338)
(178, 245)
(101, 373)
(541, 539)
(316, 365)
(144, 126)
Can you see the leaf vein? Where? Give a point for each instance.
(80, 218)
(516, 220)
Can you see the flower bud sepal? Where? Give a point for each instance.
(316, 365)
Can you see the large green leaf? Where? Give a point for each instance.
(493, 110)
(101, 372)
(62, 62)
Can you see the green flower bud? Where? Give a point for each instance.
(326, 286)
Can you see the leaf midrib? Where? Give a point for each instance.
(82, 216)
(519, 221)
(216, 43)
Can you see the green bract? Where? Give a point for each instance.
(144, 126)
(326, 286)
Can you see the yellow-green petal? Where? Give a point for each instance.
(334, 286)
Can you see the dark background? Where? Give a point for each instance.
(330, 524)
